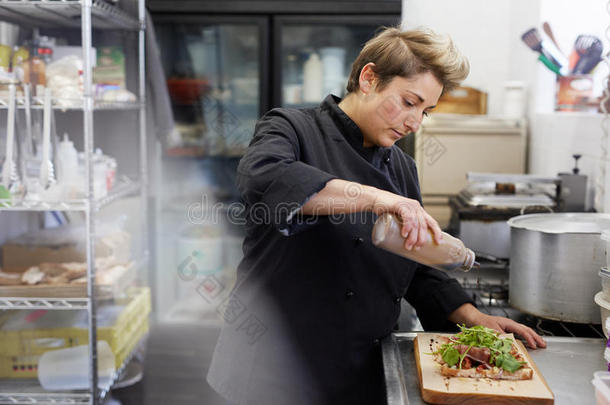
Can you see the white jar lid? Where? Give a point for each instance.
(605, 235)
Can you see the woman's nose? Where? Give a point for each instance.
(412, 122)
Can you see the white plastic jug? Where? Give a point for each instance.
(68, 369)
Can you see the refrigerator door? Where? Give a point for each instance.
(215, 69)
(315, 54)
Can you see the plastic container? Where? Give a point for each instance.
(601, 382)
(67, 168)
(21, 347)
(607, 349)
(604, 274)
(68, 369)
(448, 255)
(604, 308)
(514, 99)
(312, 80)
(605, 236)
(333, 62)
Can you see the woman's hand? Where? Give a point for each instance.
(506, 325)
(415, 220)
(470, 316)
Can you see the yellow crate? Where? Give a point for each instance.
(16, 343)
(27, 366)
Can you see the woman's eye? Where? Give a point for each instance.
(408, 103)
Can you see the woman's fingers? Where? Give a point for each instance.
(422, 232)
(413, 233)
(415, 224)
(434, 227)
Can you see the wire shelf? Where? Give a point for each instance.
(43, 303)
(65, 13)
(124, 188)
(29, 391)
(72, 104)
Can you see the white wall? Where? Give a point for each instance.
(489, 33)
(490, 36)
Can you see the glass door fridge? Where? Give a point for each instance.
(215, 68)
(314, 54)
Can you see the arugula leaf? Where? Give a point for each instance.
(451, 355)
(511, 364)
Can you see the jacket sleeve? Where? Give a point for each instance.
(272, 181)
(432, 293)
(435, 295)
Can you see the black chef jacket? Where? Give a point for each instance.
(313, 294)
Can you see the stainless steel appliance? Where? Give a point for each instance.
(554, 265)
(448, 146)
(480, 211)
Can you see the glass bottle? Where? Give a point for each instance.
(448, 255)
(37, 70)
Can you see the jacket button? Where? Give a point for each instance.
(358, 240)
(376, 342)
(397, 300)
(387, 160)
(349, 294)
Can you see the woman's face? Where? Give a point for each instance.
(397, 110)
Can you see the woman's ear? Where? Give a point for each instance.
(367, 78)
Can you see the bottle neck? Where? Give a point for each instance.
(469, 261)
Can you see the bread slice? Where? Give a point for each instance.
(524, 373)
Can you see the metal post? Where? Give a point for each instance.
(86, 33)
(143, 143)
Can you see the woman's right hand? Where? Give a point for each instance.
(415, 220)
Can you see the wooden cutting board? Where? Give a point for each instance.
(436, 389)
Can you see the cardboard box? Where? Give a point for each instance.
(61, 245)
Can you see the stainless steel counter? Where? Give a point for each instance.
(567, 365)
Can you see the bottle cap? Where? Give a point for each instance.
(469, 262)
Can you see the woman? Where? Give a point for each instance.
(313, 295)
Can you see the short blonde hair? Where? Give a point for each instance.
(407, 53)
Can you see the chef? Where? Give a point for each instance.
(313, 296)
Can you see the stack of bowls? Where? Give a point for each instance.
(602, 298)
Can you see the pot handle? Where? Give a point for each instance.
(525, 207)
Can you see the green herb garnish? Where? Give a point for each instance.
(480, 336)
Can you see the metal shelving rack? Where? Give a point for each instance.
(86, 15)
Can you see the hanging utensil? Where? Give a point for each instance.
(546, 27)
(10, 176)
(30, 148)
(548, 49)
(47, 173)
(581, 47)
(590, 55)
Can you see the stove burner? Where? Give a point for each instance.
(496, 293)
(493, 300)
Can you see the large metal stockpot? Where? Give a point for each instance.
(554, 265)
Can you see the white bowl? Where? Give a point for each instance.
(604, 307)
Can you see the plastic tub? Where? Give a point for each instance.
(605, 235)
(604, 307)
(604, 274)
(601, 382)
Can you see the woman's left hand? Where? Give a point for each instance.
(471, 316)
(506, 325)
